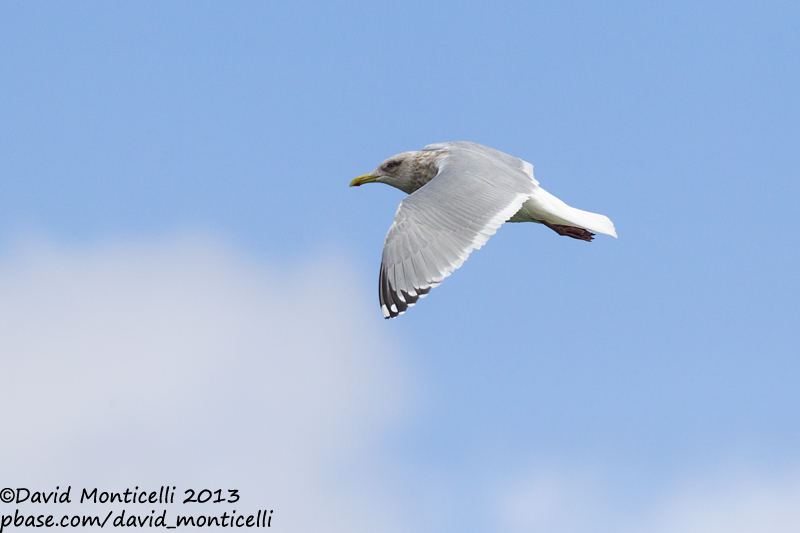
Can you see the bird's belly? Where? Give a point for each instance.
(520, 216)
(534, 211)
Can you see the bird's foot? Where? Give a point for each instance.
(571, 231)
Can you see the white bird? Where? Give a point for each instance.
(459, 194)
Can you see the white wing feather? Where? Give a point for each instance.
(435, 229)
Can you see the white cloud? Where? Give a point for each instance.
(731, 499)
(554, 499)
(732, 502)
(188, 364)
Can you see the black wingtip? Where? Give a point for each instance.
(392, 303)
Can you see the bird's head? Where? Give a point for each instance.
(407, 171)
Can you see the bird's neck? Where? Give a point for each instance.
(420, 169)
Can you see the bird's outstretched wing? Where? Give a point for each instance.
(436, 227)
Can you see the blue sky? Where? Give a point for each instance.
(222, 137)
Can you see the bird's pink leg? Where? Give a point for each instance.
(571, 231)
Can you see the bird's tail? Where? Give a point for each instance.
(550, 209)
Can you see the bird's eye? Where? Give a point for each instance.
(392, 164)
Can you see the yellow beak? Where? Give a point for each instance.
(361, 180)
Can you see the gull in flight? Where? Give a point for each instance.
(459, 194)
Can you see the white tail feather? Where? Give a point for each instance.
(544, 206)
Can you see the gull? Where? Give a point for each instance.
(459, 194)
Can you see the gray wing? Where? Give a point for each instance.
(436, 227)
